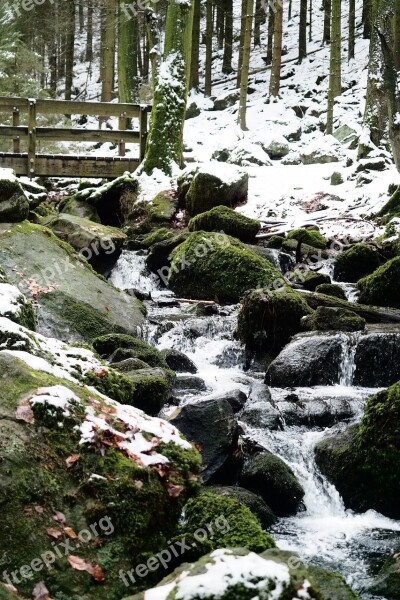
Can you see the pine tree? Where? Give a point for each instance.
(303, 30)
(128, 34)
(275, 81)
(244, 81)
(335, 74)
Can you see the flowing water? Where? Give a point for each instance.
(325, 533)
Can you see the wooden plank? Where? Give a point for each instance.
(86, 135)
(143, 131)
(95, 109)
(70, 166)
(32, 138)
(8, 103)
(16, 139)
(12, 132)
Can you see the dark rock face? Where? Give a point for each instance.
(14, 205)
(189, 384)
(387, 583)
(329, 319)
(377, 360)
(212, 426)
(236, 399)
(269, 476)
(307, 361)
(178, 361)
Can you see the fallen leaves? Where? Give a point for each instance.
(25, 413)
(54, 532)
(79, 564)
(59, 517)
(70, 533)
(72, 460)
(174, 491)
(40, 592)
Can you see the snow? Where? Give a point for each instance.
(11, 300)
(58, 397)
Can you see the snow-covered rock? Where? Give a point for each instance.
(322, 151)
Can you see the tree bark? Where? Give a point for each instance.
(327, 4)
(335, 74)
(209, 44)
(195, 58)
(89, 32)
(352, 29)
(275, 82)
(303, 30)
(244, 81)
(69, 48)
(108, 23)
(270, 39)
(241, 41)
(228, 41)
(128, 34)
(367, 18)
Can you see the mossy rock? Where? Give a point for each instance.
(304, 250)
(332, 585)
(130, 364)
(387, 582)
(108, 345)
(233, 524)
(356, 262)
(253, 501)
(159, 257)
(14, 205)
(146, 240)
(382, 287)
(222, 218)
(267, 475)
(364, 461)
(311, 237)
(146, 216)
(79, 208)
(130, 504)
(333, 319)
(331, 289)
(310, 279)
(275, 241)
(244, 575)
(268, 319)
(209, 266)
(178, 361)
(73, 302)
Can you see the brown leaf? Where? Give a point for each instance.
(109, 410)
(54, 532)
(175, 490)
(59, 517)
(79, 564)
(25, 413)
(39, 510)
(40, 592)
(72, 460)
(70, 532)
(138, 484)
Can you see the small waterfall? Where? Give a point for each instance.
(348, 366)
(131, 272)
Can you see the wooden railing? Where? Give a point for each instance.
(34, 164)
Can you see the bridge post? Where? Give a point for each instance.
(143, 131)
(15, 122)
(32, 137)
(122, 125)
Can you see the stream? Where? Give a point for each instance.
(326, 533)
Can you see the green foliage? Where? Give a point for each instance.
(382, 287)
(310, 237)
(356, 262)
(222, 218)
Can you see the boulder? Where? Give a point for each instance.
(337, 178)
(14, 205)
(189, 384)
(268, 319)
(331, 289)
(346, 135)
(267, 475)
(377, 359)
(159, 257)
(178, 361)
(209, 266)
(356, 262)
(322, 151)
(73, 303)
(328, 319)
(75, 463)
(144, 241)
(281, 260)
(311, 237)
(382, 287)
(243, 574)
(364, 461)
(212, 185)
(78, 208)
(211, 425)
(236, 398)
(222, 218)
(254, 503)
(246, 154)
(110, 346)
(276, 147)
(15, 306)
(310, 280)
(308, 360)
(387, 582)
(226, 100)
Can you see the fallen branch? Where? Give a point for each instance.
(372, 314)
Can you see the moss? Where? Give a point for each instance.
(308, 236)
(253, 501)
(275, 241)
(310, 279)
(336, 319)
(331, 289)
(78, 208)
(146, 240)
(382, 287)
(112, 346)
(267, 319)
(206, 191)
(222, 218)
(356, 262)
(230, 523)
(209, 266)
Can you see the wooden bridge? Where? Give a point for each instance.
(32, 163)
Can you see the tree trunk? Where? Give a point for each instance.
(227, 59)
(209, 45)
(153, 37)
(327, 4)
(303, 30)
(165, 141)
(195, 58)
(335, 74)
(352, 29)
(258, 19)
(290, 10)
(108, 23)
(270, 39)
(396, 43)
(367, 18)
(128, 34)
(89, 32)
(244, 81)
(310, 27)
(220, 24)
(69, 48)
(275, 82)
(241, 41)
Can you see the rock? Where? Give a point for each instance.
(114, 200)
(268, 319)
(192, 111)
(331, 289)
(111, 346)
(130, 364)
(212, 426)
(274, 242)
(310, 280)
(236, 398)
(382, 287)
(222, 218)
(371, 164)
(145, 241)
(178, 361)
(189, 384)
(79, 208)
(254, 503)
(281, 260)
(363, 462)
(321, 151)
(337, 178)
(96, 243)
(226, 100)
(159, 257)
(338, 319)
(73, 302)
(211, 185)
(59, 452)
(308, 360)
(274, 480)
(310, 237)
(356, 262)
(276, 147)
(145, 216)
(238, 569)
(387, 582)
(15, 306)
(209, 266)
(14, 205)
(377, 360)
(246, 154)
(346, 135)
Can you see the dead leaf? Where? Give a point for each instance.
(174, 491)
(59, 517)
(71, 533)
(109, 410)
(39, 510)
(72, 460)
(79, 564)
(25, 413)
(40, 592)
(54, 532)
